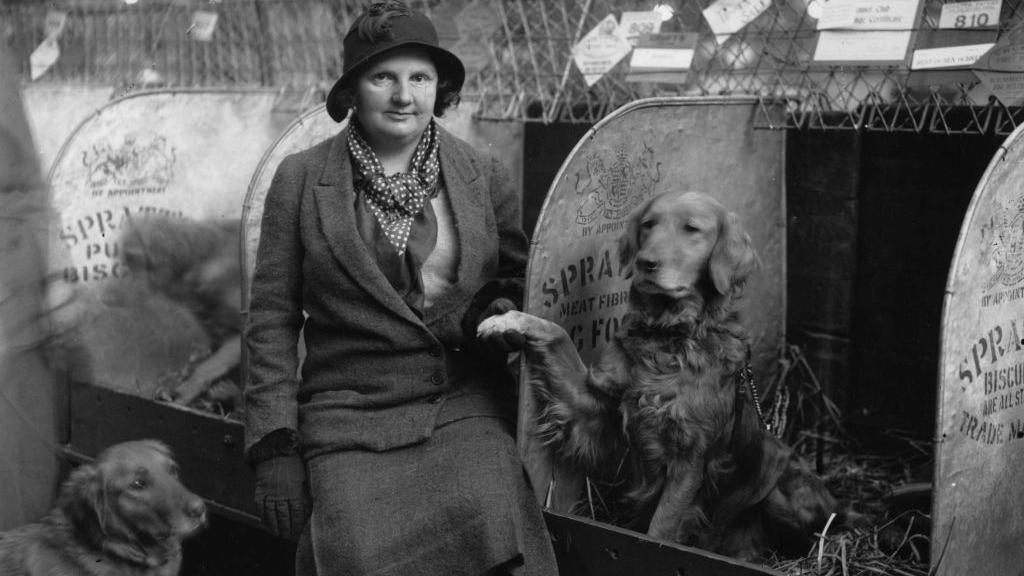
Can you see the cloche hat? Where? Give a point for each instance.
(404, 28)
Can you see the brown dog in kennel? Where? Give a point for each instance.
(669, 398)
(124, 514)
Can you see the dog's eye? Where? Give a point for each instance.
(173, 470)
(690, 228)
(138, 484)
(647, 224)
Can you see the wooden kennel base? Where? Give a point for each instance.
(208, 449)
(209, 452)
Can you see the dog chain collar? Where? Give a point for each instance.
(747, 382)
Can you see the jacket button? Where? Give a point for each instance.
(437, 378)
(434, 399)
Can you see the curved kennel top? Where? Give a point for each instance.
(977, 512)
(188, 153)
(642, 149)
(177, 153)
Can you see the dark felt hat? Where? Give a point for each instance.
(408, 29)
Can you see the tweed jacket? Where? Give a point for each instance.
(376, 376)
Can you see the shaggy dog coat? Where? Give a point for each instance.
(667, 397)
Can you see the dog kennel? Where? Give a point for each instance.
(640, 150)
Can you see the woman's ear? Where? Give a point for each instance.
(733, 257)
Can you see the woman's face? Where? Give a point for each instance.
(395, 97)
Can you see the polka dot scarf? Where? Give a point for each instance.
(396, 200)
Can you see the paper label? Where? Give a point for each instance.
(727, 17)
(43, 57)
(600, 50)
(837, 14)
(54, 23)
(632, 25)
(1007, 55)
(1001, 69)
(948, 56)
(662, 58)
(1007, 86)
(869, 14)
(857, 46)
(970, 14)
(204, 23)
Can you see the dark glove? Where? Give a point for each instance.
(281, 495)
(506, 342)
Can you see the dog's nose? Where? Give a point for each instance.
(646, 264)
(196, 508)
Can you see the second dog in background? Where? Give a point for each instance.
(667, 396)
(198, 265)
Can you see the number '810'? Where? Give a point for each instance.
(972, 21)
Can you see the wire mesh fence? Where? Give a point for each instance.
(519, 57)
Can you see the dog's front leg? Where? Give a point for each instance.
(550, 353)
(674, 518)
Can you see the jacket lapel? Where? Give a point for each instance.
(335, 200)
(465, 194)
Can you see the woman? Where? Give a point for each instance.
(395, 239)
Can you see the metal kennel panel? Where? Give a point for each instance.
(978, 518)
(186, 154)
(645, 148)
(183, 154)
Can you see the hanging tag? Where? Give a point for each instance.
(600, 50)
(632, 25)
(43, 57)
(204, 23)
(726, 17)
(970, 14)
(662, 58)
(53, 26)
(1001, 69)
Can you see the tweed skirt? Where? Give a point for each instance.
(458, 504)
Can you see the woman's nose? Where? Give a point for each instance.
(402, 93)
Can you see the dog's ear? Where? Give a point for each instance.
(733, 257)
(629, 241)
(82, 499)
(627, 248)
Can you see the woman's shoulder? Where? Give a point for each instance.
(313, 156)
(467, 154)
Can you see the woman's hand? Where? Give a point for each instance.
(282, 497)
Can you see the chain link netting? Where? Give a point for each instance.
(519, 58)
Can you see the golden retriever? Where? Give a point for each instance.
(196, 263)
(668, 396)
(125, 514)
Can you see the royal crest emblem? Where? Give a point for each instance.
(613, 191)
(135, 163)
(1006, 231)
